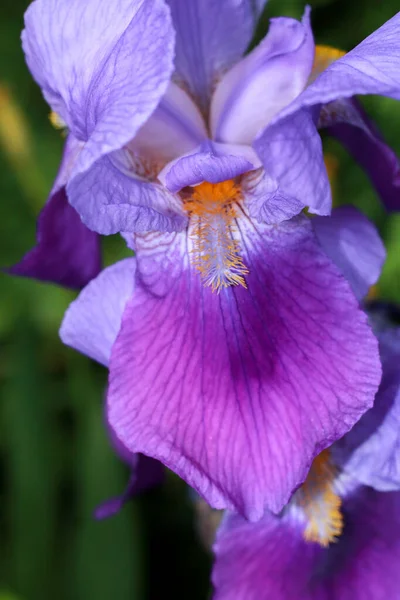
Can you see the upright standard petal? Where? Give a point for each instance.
(271, 560)
(265, 81)
(291, 152)
(111, 198)
(347, 121)
(67, 252)
(238, 391)
(371, 68)
(103, 66)
(92, 321)
(210, 37)
(353, 243)
(175, 128)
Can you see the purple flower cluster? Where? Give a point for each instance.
(239, 352)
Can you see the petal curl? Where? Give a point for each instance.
(270, 559)
(291, 152)
(110, 201)
(262, 83)
(92, 321)
(211, 162)
(353, 243)
(371, 68)
(264, 200)
(237, 392)
(347, 121)
(66, 252)
(103, 66)
(146, 473)
(210, 37)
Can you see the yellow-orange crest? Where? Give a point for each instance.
(216, 252)
(320, 503)
(324, 56)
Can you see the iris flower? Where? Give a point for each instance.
(237, 350)
(237, 391)
(156, 100)
(339, 537)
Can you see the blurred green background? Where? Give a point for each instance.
(55, 461)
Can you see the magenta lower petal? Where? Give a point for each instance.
(270, 560)
(238, 391)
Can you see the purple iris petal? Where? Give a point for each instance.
(103, 66)
(264, 200)
(371, 68)
(210, 37)
(371, 450)
(92, 321)
(352, 242)
(146, 473)
(211, 162)
(238, 391)
(66, 252)
(175, 127)
(347, 121)
(291, 152)
(263, 82)
(271, 560)
(110, 200)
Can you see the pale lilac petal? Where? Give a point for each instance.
(210, 37)
(146, 473)
(175, 128)
(371, 450)
(371, 68)
(238, 391)
(211, 162)
(264, 200)
(347, 121)
(110, 201)
(291, 152)
(103, 66)
(353, 243)
(258, 6)
(66, 252)
(270, 559)
(264, 82)
(92, 321)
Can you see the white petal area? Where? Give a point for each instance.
(264, 82)
(175, 128)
